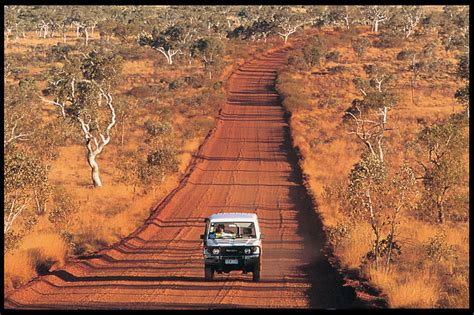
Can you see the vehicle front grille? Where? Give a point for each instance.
(232, 251)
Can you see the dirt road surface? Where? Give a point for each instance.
(246, 165)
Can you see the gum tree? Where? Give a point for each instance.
(26, 188)
(82, 91)
(376, 15)
(462, 94)
(211, 50)
(20, 121)
(167, 42)
(26, 181)
(411, 18)
(440, 149)
(368, 116)
(288, 23)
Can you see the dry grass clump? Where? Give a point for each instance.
(36, 255)
(406, 290)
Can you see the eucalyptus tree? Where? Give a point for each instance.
(377, 195)
(462, 94)
(211, 50)
(262, 28)
(82, 91)
(218, 21)
(20, 120)
(25, 180)
(346, 15)
(10, 20)
(360, 46)
(377, 15)
(439, 150)
(412, 16)
(168, 42)
(289, 22)
(26, 187)
(369, 115)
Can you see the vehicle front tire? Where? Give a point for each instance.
(256, 273)
(208, 273)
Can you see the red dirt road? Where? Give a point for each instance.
(246, 165)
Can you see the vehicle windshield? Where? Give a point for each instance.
(231, 230)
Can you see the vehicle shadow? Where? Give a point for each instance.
(69, 277)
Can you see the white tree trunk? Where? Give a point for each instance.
(346, 19)
(94, 168)
(168, 54)
(86, 35)
(14, 212)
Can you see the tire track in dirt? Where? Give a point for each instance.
(247, 164)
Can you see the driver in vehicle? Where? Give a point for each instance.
(221, 233)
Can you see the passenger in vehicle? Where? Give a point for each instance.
(247, 232)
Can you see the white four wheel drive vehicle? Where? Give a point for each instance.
(232, 241)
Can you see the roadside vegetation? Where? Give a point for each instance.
(380, 116)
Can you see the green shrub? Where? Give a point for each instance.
(158, 128)
(389, 39)
(332, 56)
(195, 81)
(297, 62)
(339, 234)
(360, 46)
(438, 249)
(160, 162)
(312, 55)
(404, 54)
(336, 69)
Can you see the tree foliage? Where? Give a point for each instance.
(212, 51)
(25, 190)
(441, 149)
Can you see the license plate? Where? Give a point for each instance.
(232, 261)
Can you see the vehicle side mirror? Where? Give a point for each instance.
(202, 236)
(261, 236)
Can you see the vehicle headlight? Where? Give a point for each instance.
(255, 250)
(247, 251)
(215, 251)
